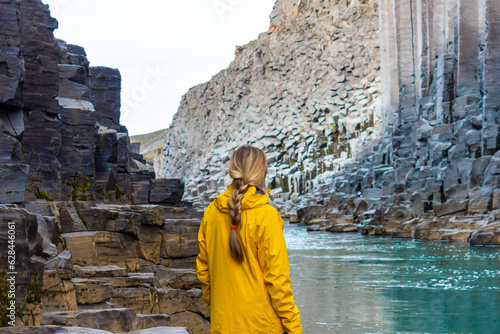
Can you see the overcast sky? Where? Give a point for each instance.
(161, 47)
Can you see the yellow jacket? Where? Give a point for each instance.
(254, 296)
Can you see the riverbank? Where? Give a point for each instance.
(477, 230)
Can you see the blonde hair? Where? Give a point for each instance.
(247, 167)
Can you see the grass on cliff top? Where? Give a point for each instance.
(149, 142)
(149, 156)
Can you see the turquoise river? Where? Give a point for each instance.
(347, 283)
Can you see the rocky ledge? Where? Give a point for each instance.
(118, 268)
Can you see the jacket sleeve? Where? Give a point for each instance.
(273, 259)
(202, 264)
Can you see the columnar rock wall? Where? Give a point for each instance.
(99, 242)
(438, 177)
(59, 118)
(307, 92)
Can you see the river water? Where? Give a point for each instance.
(347, 283)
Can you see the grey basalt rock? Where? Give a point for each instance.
(256, 100)
(13, 178)
(39, 237)
(41, 56)
(62, 154)
(61, 261)
(51, 330)
(166, 191)
(29, 267)
(140, 186)
(105, 86)
(429, 152)
(12, 68)
(10, 149)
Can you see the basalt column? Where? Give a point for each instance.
(389, 59)
(490, 138)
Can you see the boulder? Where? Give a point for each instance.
(479, 205)
(304, 215)
(61, 261)
(166, 191)
(117, 320)
(71, 220)
(139, 185)
(480, 238)
(39, 237)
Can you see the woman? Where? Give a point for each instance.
(243, 262)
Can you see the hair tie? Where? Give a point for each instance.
(233, 227)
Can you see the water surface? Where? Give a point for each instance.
(347, 283)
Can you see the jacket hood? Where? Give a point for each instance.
(251, 200)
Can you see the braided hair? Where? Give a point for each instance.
(247, 167)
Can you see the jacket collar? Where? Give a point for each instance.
(251, 200)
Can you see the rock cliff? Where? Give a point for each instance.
(89, 237)
(435, 175)
(307, 92)
(376, 117)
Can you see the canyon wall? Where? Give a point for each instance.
(88, 236)
(418, 161)
(307, 92)
(440, 103)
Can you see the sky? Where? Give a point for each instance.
(161, 47)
